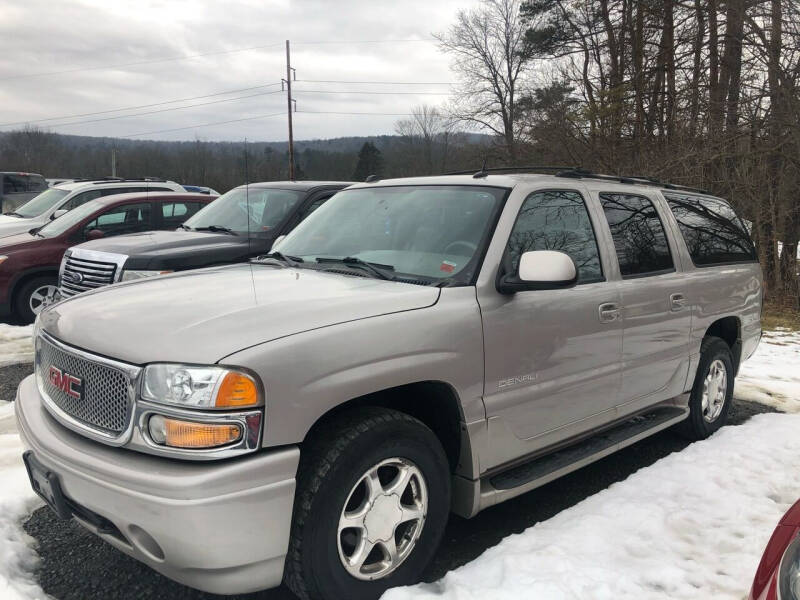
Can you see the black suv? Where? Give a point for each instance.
(239, 225)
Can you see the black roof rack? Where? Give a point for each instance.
(580, 173)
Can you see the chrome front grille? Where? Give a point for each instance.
(81, 275)
(102, 401)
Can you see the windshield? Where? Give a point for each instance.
(256, 212)
(41, 203)
(431, 232)
(76, 215)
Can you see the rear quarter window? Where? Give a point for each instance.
(713, 233)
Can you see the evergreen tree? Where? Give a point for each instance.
(370, 162)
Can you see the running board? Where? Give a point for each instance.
(544, 469)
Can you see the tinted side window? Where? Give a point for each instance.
(175, 213)
(13, 184)
(313, 206)
(713, 232)
(83, 198)
(557, 220)
(639, 236)
(128, 218)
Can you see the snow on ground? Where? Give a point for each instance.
(16, 345)
(17, 557)
(693, 525)
(772, 375)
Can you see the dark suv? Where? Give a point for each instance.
(29, 262)
(239, 225)
(17, 188)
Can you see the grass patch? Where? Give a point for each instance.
(775, 317)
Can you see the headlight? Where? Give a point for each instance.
(3, 259)
(134, 275)
(789, 572)
(199, 387)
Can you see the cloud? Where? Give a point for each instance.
(43, 36)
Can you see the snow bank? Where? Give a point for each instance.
(693, 525)
(772, 375)
(17, 557)
(16, 345)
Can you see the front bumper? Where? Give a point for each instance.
(220, 527)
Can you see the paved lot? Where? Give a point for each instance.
(76, 565)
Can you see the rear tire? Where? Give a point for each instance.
(712, 392)
(33, 296)
(329, 559)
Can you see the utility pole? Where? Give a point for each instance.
(289, 107)
(113, 162)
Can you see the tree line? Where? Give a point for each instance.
(697, 92)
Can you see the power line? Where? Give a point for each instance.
(203, 125)
(104, 112)
(323, 112)
(302, 91)
(137, 63)
(376, 82)
(362, 42)
(162, 110)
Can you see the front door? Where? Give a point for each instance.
(552, 356)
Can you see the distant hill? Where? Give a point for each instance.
(223, 165)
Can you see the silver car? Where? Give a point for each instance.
(57, 200)
(414, 347)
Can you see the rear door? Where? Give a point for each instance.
(656, 317)
(552, 357)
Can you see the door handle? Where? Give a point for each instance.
(608, 312)
(677, 302)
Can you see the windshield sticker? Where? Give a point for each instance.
(447, 266)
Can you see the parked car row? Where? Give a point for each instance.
(411, 348)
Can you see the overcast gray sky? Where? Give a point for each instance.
(39, 37)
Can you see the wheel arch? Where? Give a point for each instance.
(24, 277)
(729, 330)
(434, 403)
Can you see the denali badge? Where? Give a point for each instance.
(69, 384)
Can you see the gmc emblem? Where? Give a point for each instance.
(69, 384)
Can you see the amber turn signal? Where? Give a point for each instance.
(236, 390)
(188, 434)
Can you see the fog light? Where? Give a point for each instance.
(188, 434)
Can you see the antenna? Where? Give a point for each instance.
(247, 197)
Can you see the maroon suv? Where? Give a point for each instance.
(29, 262)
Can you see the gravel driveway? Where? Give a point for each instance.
(75, 565)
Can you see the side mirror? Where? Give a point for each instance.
(539, 270)
(94, 234)
(59, 213)
(277, 241)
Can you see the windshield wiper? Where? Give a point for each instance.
(184, 227)
(292, 261)
(14, 214)
(217, 229)
(377, 269)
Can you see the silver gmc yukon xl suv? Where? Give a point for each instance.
(415, 347)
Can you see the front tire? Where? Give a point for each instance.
(712, 393)
(373, 498)
(33, 296)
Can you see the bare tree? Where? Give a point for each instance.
(489, 50)
(431, 131)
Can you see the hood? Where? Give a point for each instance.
(203, 316)
(170, 249)
(18, 241)
(15, 225)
